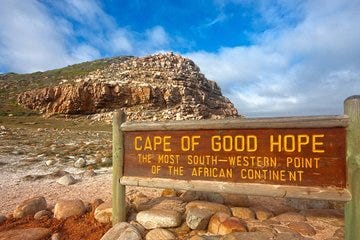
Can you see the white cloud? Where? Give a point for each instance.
(305, 67)
(36, 35)
(157, 36)
(28, 40)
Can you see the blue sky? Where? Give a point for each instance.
(271, 58)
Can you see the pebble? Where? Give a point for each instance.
(66, 180)
(80, 163)
(67, 208)
(30, 207)
(106, 160)
(160, 234)
(50, 162)
(159, 218)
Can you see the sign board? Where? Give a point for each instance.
(297, 157)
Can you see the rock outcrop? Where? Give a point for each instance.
(162, 86)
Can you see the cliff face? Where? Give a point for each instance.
(163, 86)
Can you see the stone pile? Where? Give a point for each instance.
(188, 215)
(157, 87)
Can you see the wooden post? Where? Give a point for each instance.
(352, 208)
(118, 190)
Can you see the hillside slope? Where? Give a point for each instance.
(156, 87)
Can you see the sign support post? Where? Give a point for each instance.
(118, 191)
(352, 208)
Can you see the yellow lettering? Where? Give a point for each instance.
(166, 144)
(215, 145)
(274, 142)
(137, 139)
(251, 142)
(289, 143)
(188, 143)
(302, 141)
(316, 143)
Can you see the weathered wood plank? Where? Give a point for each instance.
(241, 123)
(118, 190)
(335, 194)
(352, 209)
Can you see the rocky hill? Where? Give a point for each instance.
(156, 87)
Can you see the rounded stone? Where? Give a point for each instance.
(66, 180)
(159, 218)
(290, 217)
(302, 228)
(198, 219)
(80, 163)
(43, 214)
(122, 231)
(243, 212)
(263, 213)
(30, 207)
(103, 213)
(67, 208)
(211, 206)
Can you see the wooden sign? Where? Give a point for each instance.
(299, 157)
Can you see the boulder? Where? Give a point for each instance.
(302, 228)
(80, 163)
(66, 180)
(26, 234)
(43, 214)
(198, 219)
(222, 224)
(159, 218)
(67, 208)
(243, 212)
(30, 207)
(103, 213)
(263, 213)
(290, 217)
(211, 206)
(122, 231)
